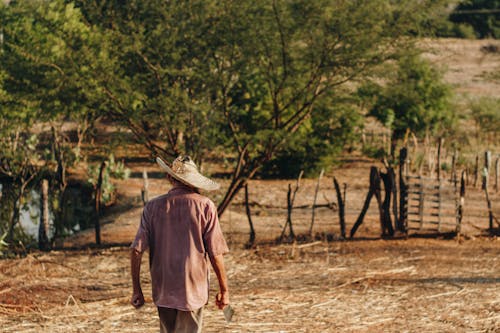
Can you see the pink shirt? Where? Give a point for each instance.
(180, 229)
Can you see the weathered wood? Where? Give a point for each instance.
(394, 187)
(460, 203)
(476, 171)
(314, 202)
(145, 187)
(497, 171)
(341, 203)
(251, 239)
(453, 175)
(440, 143)
(487, 163)
(403, 192)
(421, 206)
(439, 206)
(486, 170)
(387, 228)
(43, 228)
(98, 196)
(289, 203)
(374, 189)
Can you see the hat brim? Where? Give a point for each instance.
(192, 178)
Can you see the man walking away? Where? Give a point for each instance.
(182, 232)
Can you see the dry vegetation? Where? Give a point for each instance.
(365, 285)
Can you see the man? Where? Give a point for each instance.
(181, 230)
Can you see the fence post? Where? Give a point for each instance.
(440, 142)
(453, 176)
(251, 239)
(43, 240)
(98, 195)
(421, 204)
(487, 163)
(497, 170)
(314, 202)
(145, 187)
(341, 202)
(290, 198)
(476, 170)
(373, 189)
(460, 204)
(403, 194)
(439, 205)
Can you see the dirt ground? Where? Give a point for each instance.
(368, 284)
(416, 285)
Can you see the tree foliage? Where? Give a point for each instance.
(482, 15)
(415, 99)
(257, 77)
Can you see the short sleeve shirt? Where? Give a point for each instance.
(180, 229)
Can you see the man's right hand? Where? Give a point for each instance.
(137, 299)
(222, 299)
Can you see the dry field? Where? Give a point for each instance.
(414, 285)
(362, 285)
(367, 284)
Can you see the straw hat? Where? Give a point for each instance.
(185, 170)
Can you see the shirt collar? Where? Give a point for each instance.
(181, 188)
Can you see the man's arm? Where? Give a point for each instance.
(135, 269)
(222, 298)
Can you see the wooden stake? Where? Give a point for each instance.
(497, 171)
(440, 142)
(314, 202)
(251, 239)
(98, 196)
(341, 202)
(373, 190)
(487, 163)
(460, 204)
(145, 187)
(43, 230)
(290, 198)
(403, 192)
(476, 170)
(453, 175)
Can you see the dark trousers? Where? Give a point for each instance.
(177, 321)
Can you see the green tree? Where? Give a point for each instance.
(152, 71)
(485, 113)
(482, 15)
(415, 99)
(182, 75)
(46, 53)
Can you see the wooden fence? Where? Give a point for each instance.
(430, 205)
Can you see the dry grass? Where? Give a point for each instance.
(368, 286)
